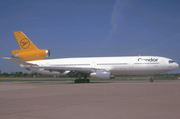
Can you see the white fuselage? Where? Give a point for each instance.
(132, 65)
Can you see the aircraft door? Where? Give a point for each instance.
(131, 64)
(93, 64)
(162, 63)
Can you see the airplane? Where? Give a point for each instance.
(82, 68)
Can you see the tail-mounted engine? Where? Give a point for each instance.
(31, 54)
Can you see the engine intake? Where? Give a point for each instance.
(101, 74)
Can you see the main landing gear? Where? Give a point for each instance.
(151, 79)
(79, 80)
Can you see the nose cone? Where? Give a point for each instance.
(176, 65)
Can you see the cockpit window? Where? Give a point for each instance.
(171, 61)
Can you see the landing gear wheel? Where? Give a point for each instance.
(151, 80)
(82, 81)
(87, 80)
(76, 81)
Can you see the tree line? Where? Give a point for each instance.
(21, 74)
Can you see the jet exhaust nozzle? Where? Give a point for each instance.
(15, 56)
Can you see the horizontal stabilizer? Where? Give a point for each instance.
(18, 61)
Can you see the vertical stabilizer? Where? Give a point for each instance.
(28, 51)
(24, 42)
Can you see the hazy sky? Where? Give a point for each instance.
(85, 28)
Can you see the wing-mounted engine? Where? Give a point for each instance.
(31, 54)
(102, 74)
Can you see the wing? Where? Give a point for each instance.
(71, 71)
(60, 69)
(85, 70)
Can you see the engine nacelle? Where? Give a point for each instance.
(101, 75)
(31, 54)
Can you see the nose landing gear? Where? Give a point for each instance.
(151, 78)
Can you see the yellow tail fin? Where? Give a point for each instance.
(24, 42)
(28, 51)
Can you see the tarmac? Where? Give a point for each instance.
(134, 99)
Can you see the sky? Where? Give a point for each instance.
(91, 28)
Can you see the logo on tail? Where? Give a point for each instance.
(24, 43)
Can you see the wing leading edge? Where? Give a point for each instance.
(77, 69)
